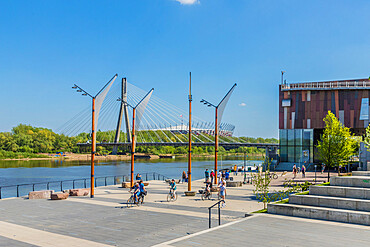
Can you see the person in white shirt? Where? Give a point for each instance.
(222, 188)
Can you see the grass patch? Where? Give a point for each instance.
(260, 211)
(19, 155)
(324, 184)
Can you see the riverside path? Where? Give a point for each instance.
(106, 221)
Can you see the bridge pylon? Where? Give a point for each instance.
(123, 109)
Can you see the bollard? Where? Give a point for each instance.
(209, 218)
(219, 214)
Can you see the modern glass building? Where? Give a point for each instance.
(303, 106)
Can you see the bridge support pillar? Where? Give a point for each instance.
(123, 109)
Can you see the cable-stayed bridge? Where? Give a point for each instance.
(159, 124)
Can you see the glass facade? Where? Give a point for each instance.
(294, 144)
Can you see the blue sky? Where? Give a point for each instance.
(46, 46)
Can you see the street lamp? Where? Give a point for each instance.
(140, 108)
(100, 98)
(220, 107)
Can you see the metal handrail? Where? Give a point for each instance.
(148, 176)
(362, 83)
(219, 213)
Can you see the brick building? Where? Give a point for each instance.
(302, 107)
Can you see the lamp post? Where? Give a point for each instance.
(94, 123)
(142, 103)
(221, 106)
(189, 151)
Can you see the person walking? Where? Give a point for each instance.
(235, 170)
(184, 177)
(206, 175)
(212, 176)
(227, 175)
(303, 171)
(294, 171)
(222, 188)
(323, 168)
(219, 175)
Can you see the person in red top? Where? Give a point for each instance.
(212, 176)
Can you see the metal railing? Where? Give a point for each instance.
(23, 189)
(210, 213)
(362, 83)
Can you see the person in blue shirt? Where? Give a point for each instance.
(173, 186)
(227, 175)
(136, 189)
(142, 189)
(206, 174)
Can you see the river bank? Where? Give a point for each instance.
(86, 157)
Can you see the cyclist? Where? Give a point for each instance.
(142, 189)
(173, 187)
(136, 190)
(208, 189)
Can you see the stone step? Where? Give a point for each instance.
(351, 181)
(331, 202)
(322, 213)
(339, 191)
(361, 173)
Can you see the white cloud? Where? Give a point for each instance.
(242, 104)
(188, 2)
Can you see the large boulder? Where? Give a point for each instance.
(42, 194)
(59, 196)
(79, 192)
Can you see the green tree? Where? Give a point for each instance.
(337, 144)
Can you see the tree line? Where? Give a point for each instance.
(31, 140)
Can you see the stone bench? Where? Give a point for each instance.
(79, 192)
(59, 196)
(42, 194)
(234, 183)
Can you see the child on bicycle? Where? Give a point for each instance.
(136, 190)
(173, 186)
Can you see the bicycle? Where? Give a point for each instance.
(131, 201)
(172, 195)
(206, 195)
(273, 176)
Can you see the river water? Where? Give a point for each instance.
(28, 172)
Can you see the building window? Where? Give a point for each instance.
(308, 97)
(293, 143)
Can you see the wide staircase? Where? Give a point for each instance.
(347, 199)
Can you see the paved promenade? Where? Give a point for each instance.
(106, 221)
